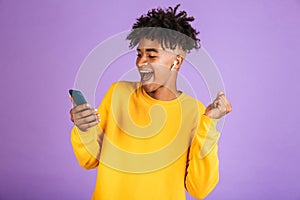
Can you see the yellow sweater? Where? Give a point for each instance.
(151, 149)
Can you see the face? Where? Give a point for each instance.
(154, 64)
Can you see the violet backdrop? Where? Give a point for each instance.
(255, 45)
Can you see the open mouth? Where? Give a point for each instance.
(146, 74)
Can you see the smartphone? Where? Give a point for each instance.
(77, 97)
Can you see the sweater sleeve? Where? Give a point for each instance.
(87, 145)
(202, 173)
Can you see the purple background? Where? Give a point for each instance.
(256, 45)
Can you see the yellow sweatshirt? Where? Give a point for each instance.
(149, 149)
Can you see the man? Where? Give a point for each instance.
(148, 139)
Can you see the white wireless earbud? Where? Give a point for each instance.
(173, 66)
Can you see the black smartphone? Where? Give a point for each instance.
(77, 97)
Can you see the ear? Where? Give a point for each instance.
(179, 60)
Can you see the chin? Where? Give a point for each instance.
(150, 87)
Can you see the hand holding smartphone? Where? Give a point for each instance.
(82, 115)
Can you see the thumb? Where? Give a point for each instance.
(73, 102)
(220, 93)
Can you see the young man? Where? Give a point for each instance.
(148, 139)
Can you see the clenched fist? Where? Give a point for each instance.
(219, 107)
(83, 116)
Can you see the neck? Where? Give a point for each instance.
(166, 92)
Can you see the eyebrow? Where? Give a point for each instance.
(149, 50)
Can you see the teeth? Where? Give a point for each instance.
(145, 71)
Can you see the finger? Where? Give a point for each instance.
(80, 108)
(87, 126)
(84, 113)
(98, 117)
(222, 107)
(220, 93)
(227, 104)
(218, 98)
(87, 120)
(214, 104)
(222, 99)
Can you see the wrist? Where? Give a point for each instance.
(210, 115)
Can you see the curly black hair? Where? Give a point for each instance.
(170, 28)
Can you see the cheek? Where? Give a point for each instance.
(167, 59)
(165, 63)
(137, 60)
(162, 73)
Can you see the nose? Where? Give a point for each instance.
(141, 61)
